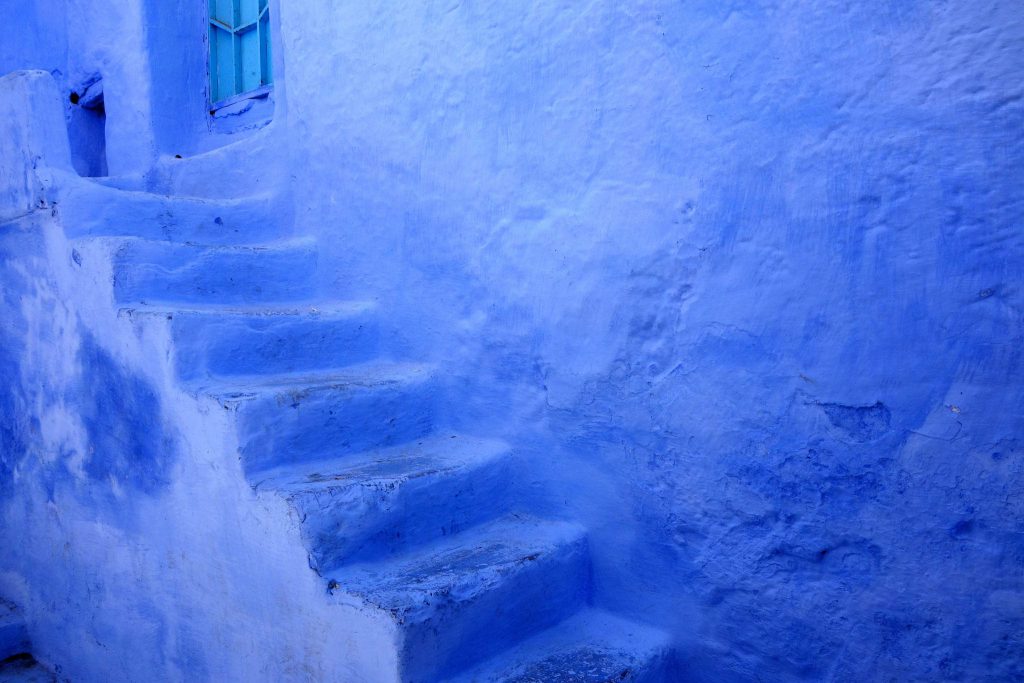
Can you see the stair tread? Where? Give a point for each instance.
(431, 456)
(458, 567)
(592, 646)
(365, 375)
(327, 310)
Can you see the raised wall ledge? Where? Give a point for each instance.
(34, 146)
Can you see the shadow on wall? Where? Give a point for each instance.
(15, 423)
(128, 441)
(119, 434)
(18, 424)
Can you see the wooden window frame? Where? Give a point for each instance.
(240, 65)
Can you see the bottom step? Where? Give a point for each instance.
(591, 647)
(472, 595)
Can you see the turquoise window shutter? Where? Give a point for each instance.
(239, 48)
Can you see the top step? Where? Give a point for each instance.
(93, 210)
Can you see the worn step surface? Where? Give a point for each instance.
(590, 647)
(465, 598)
(218, 341)
(373, 504)
(291, 418)
(147, 271)
(13, 632)
(92, 209)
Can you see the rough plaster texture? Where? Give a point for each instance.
(741, 280)
(748, 274)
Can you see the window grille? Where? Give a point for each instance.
(239, 48)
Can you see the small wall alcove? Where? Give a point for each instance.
(87, 129)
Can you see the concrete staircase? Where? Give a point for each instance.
(398, 515)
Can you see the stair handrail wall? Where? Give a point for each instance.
(34, 147)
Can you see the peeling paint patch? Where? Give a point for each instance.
(860, 423)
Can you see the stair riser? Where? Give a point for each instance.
(94, 210)
(155, 272)
(461, 634)
(243, 345)
(365, 522)
(304, 425)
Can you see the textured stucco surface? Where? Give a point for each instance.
(742, 280)
(747, 274)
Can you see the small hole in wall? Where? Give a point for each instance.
(87, 129)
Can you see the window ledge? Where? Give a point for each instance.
(261, 93)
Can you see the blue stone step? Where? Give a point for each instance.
(91, 209)
(13, 633)
(161, 272)
(378, 503)
(472, 595)
(287, 419)
(212, 341)
(590, 647)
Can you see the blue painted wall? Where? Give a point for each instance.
(746, 275)
(744, 279)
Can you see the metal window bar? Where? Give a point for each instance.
(240, 59)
